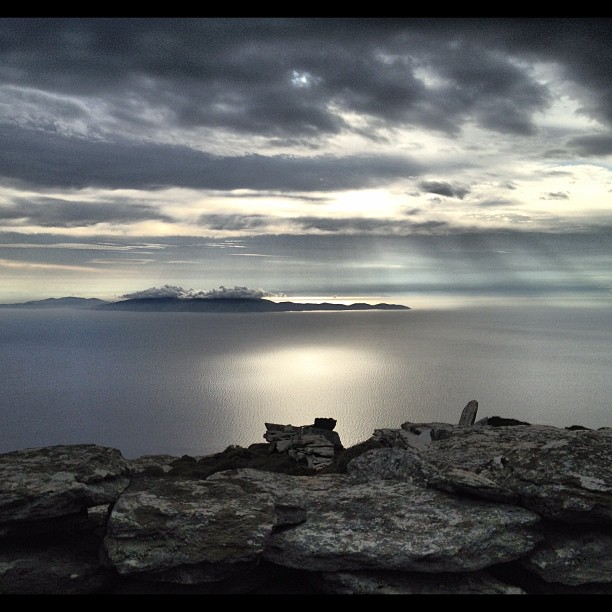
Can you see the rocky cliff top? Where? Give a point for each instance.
(489, 506)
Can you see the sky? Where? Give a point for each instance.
(404, 156)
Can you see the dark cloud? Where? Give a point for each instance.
(235, 222)
(366, 225)
(556, 195)
(332, 225)
(51, 159)
(290, 78)
(598, 144)
(443, 188)
(50, 212)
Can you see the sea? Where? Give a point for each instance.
(150, 383)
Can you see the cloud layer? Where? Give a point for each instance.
(130, 133)
(170, 291)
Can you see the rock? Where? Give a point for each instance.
(314, 446)
(388, 525)
(459, 481)
(188, 531)
(406, 465)
(499, 507)
(563, 477)
(275, 433)
(480, 449)
(468, 416)
(411, 465)
(412, 583)
(324, 423)
(152, 465)
(573, 557)
(560, 474)
(53, 481)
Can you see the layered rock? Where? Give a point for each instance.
(188, 531)
(561, 474)
(389, 526)
(315, 445)
(54, 481)
(495, 506)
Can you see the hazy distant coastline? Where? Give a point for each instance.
(175, 304)
(65, 302)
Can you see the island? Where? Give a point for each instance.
(206, 304)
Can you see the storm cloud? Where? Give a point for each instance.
(189, 294)
(443, 188)
(157, 131)
(50, 212)
(52, 159)
(275, 77)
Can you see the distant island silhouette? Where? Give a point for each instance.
(210, 304)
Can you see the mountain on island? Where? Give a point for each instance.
(216, 304)
(174, 304)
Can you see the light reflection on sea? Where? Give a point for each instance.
(193, 383)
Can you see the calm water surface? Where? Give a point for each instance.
(182, 383)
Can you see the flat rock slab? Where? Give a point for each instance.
(565, 478)
(561, 474)
(53, 481)
(188, 531)
(389, 525)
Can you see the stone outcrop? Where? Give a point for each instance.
(188, 531)
(315, 445)
(389, 525)
(472, 507)
(468, 416)
(59, 480)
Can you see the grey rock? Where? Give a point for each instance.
(403, 464)
(389, 525)
(468, 416)
(480, 449)
(152, 464)
(188, 531)
(52, 481)
(412, 583)
(561, 474)
(412, 435)
(275, 432)
(314, 446)
(455, 480)
(566, 477)
(573, 557)
(411, 465)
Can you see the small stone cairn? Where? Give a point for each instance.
(316, 444)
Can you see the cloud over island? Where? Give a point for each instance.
(171, 291)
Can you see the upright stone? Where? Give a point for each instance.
(468, 416)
